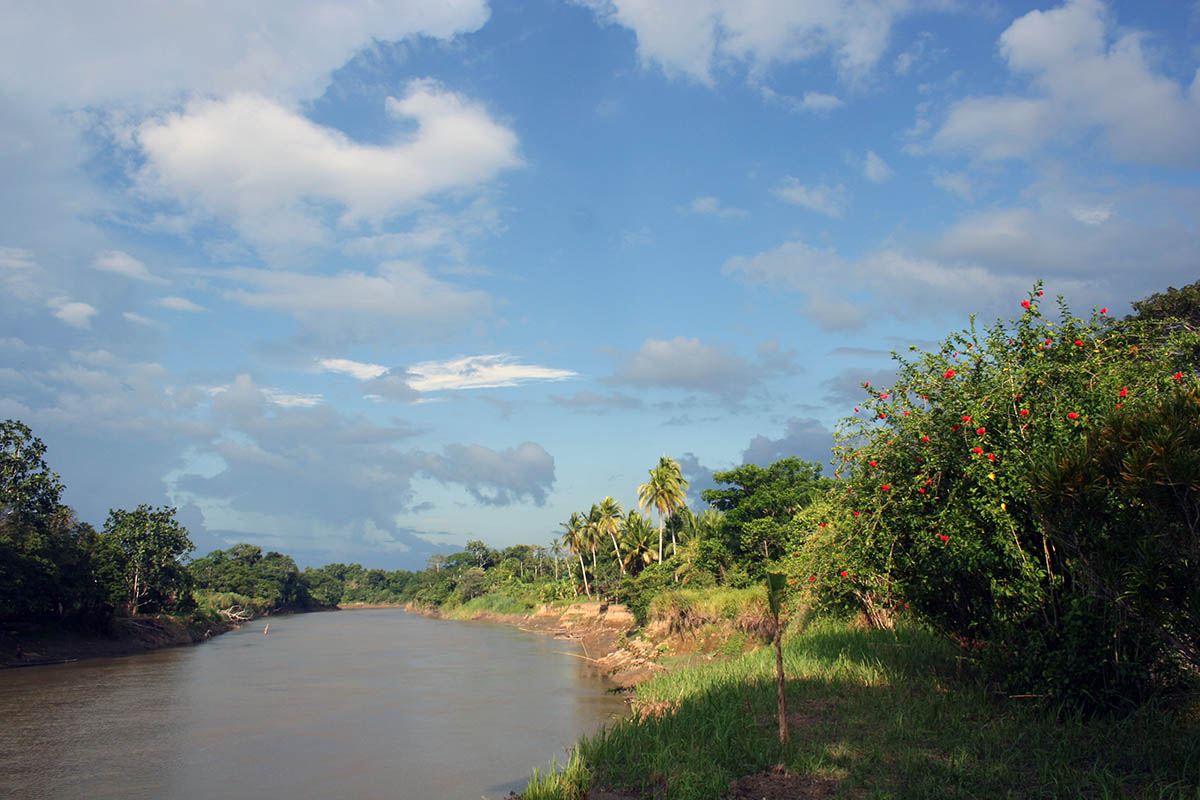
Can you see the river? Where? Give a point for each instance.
(354, 704)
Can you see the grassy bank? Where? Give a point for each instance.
(874, 714)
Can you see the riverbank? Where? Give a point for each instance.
(604, 632)
(39, 647)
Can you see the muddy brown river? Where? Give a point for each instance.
(353, 704)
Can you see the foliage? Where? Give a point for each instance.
(941, 508)
(148, 543)
(273, 580)
(758, 505)
(27, 486)
(666, 492)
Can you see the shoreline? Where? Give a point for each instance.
(132, 636)
(601, 629)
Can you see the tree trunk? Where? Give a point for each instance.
(661, 521)
(617, 552)
(783, 725)
(583, 572)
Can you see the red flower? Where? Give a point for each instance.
(1079, 342)
(953, 427)
(943, 537)
(966, 418)
(855, 410)
(873, 463)
(1024, 412)
(844, 574)
(981, 431)
(883, 395)
(1104, 311)
(1178, 376)
(977, 450)
(855, 513)
(921, 490)
(1039, 293)
(812, 578)
(1048, 341)
(886, 487)
(820, 524)
(924, 438)
(906, 413)
(883, 416)
(949, 373)
(1025, 304)
(1072, 415)
(1122, 392)
(1120, 404)
(991, 456)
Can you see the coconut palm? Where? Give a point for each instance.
(665, 491)
(637, 540)
(608, 521)
(576, 539)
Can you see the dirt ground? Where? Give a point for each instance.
(28, 648)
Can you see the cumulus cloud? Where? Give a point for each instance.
(828, 200)
(711, 207)
(494, 478)
(73, 312)
(691, 39)
(401, 298)
(804, 438)
(683, 363)
(480, 372)
(180, 304)
(271, 173)
(113, 53)
(355, 369)
(1085, 75)
(875, 169)
(121, 263)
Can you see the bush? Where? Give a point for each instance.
(945, 502)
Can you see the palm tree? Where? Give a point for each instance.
(666, 492)
(608, 520)
(556, 551)
(575, 538)
(638, 541)
(592, 530)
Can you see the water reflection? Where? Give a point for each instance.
(362, 704)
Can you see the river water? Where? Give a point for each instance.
(355, 704)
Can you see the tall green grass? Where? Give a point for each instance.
(882, 714)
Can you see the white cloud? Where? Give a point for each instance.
(828, 200)
(122, 263)
(710, 206)
(355, 369)
(684, 363)
(116, 52)
(875, 168)
(74, 313)
(479, 372)
(956, 183)
(1086, 75)
(180, 304)
(288, 400)
(401, 292)
(811, 102)
(1092, 215)
(138, 319)
(692, 37)
(272, 173)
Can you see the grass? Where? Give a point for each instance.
(499, 602)
(879, 714)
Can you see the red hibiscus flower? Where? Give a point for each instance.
(921, 490)
(977, 450)
(966, 418)
(1178, 376)
(886, 487)
(991, 456)
(943, 537)
(924, 438)
(1079, 342)
(1024, 412)
(949, 373)
(1072, 415)
(1122, 392)
(981, 431)
(873, 463)
(844, 574)
(883, 395)
(1039, 293)
(1025, 304)
(812, 578)
(856, 513)
(1104, 311)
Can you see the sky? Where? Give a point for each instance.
(361, 281)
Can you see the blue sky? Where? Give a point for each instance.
(359, 281)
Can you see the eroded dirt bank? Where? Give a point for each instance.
(603, 631)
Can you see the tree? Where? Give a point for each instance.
(666, 491)
(27, 486)
(637, 540)
(575, 539)
(760, 502)
(148, 543)
(608, 521)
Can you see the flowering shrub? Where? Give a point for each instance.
(964, 532)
